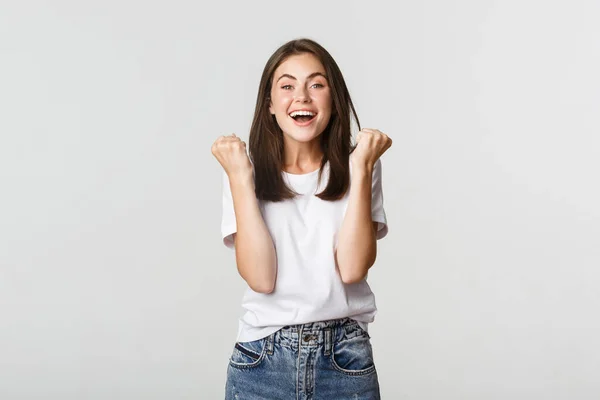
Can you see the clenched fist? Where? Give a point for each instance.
(371, 144)
(230, 151)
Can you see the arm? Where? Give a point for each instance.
(357, 243)
(254, 250)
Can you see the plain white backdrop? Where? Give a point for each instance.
(114, 282)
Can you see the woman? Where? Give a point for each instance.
(303, 212)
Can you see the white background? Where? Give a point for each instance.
(114, 282)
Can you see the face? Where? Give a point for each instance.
(300, 83)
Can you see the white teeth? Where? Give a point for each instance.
(295, 113)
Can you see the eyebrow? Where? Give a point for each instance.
(308, 77)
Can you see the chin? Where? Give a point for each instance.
(300, 136)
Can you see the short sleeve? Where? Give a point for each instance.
(377, 210)
(228, 223)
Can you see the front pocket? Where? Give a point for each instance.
(248, 354)
(353, 356)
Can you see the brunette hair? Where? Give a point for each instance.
(266, 146)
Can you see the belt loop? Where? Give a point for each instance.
(269, 344)
(327, 341)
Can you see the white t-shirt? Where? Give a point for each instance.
(305, 232)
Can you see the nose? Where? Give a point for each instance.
(301, 94)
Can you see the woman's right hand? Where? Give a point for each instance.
(230, 151)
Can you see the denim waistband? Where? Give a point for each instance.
(319, 325)
(321, 333)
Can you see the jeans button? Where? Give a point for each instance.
(306, 338)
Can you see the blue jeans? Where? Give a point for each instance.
(326, 360)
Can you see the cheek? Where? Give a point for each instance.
(283, 104)
(324, 100)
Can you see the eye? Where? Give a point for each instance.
(289, 86)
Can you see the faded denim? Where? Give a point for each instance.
(326, 360)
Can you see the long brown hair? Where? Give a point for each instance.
(266, 146)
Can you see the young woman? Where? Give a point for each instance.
(303, 212)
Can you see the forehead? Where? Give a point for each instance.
(300, 65)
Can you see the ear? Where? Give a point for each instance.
(271, 106)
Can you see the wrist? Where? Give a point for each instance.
(362, 168)
(242, 178)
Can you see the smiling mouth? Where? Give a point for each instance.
(304, 119)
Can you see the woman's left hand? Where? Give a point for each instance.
(371, 144)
